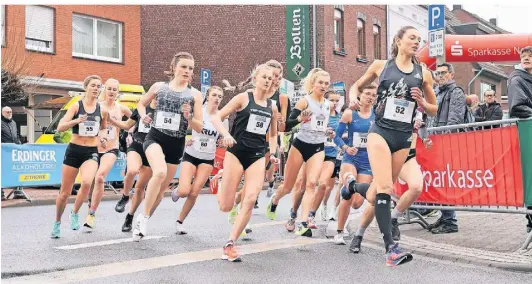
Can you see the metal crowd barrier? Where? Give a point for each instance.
(506, 199)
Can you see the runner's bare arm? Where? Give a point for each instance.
(126, 111)
(234, 105)
(371, 74)
(125, 125)
(284, 109)
(66, 122)
(196, 121)
(273, 131)
(147, 98)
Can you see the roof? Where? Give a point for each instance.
(492, 68)
(487, 23)
(450, 19)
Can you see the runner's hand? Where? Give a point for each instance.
(229, 141)
(129, 140)
(427, 142)
(189, 141)
(305, 115)
(186, 109)
(147, 119)
(354, 105)
(351, 151)
(418, 96)
(82, 118)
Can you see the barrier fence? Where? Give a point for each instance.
(482, 167)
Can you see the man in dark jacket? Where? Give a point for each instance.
(9, 135)
(451, 111)
(491, 110)
(520, 95)
(520, 86)
(9, 127)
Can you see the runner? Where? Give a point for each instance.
(177, 106)
(401, 80)
(327, 175)
(355, 159)
(87, 119)
(198, 160)
(108, 153)
(312, 111)
(411, 174)
(255, 116)
(137, 163)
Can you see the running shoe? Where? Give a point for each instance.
(56, 230)
(74, 220)
(128, 223)
(230, 252)
(334, 214)
(271, 215)
(395, 256)
(180, 229)
(232, 215)
(311, 223)
(303, 231)
(175, 198)
(291, 225)
(355, 244)
(141, 227)
(90, 222)
(121, 205)
(339, 239)
(324, 211)
(396, 233)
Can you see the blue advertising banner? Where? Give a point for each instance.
(31, 164)
(40, 165)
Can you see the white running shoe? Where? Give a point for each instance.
(141, 227)
(324, 213)
(339, 239)
(180, 229)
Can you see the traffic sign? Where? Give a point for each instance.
(436, 17)
(436, 43)
(205, 77)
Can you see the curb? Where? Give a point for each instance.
(71, 199)
(459, 258)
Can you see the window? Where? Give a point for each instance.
(376, 42)
(361, 34)
(40, 28)
(96, 38)
(3, 24)
(484, 87)
(338, 30)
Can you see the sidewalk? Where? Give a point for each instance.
(48, 196)
(490, 239)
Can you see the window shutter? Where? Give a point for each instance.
(40, 24)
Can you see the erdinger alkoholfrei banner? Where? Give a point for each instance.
(471, 168)
(480, 48)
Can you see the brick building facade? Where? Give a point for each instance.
(230, 40)
(56, 46)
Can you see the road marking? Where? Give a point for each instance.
(138, 265)
(105, 243)
(266, 224)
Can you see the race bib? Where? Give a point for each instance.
(111, 133)
(258, 124)
(329, 142)
(144, 128)
(205, 145)
(399, 110)
(89, 129)
(318, 123)
(168, 120)
(360, 140)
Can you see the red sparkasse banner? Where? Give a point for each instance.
(479, 48)
(471, 168)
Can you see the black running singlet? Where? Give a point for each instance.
(395, 108)
(252, 123)
(90, 127)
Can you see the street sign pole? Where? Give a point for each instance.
(437, 33)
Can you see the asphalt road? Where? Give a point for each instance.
(271, 255)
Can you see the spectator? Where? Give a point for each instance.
(473, 102)
(451, 111)
(520, 96)
(9, 135)
(489, 111)
(9, 127)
